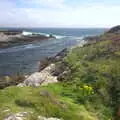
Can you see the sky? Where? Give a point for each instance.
(59, 13)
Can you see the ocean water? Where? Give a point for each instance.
(25, 59)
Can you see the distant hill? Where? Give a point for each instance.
(112, 34)
(115, 29)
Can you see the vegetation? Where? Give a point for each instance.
(88, 90)
(6, 81)
(46, 101)
(98, 66)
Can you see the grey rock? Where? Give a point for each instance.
(17, 116)
(44, 118)
(40, 78)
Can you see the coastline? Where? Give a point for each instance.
(10, 38)
(80, 81)
(17, 79)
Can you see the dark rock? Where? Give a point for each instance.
(62, 53)
(47, 61)
(115, 29)
(51, 36)
(11, 32)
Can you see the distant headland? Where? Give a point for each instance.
(9, 38)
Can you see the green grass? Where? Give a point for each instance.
(51, 103)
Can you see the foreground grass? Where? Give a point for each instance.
(45, 101)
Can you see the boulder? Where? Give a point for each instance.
(40, 78)
(51, 36)
(17, 116)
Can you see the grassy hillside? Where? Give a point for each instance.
(98, 66)
(89, 87)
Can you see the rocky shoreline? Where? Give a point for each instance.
(49, 71)
(47, 67)
(12, 38)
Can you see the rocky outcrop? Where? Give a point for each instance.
(17, 116)
(48, 72)
(9, 39)
(44, 63)
(41, 78)
(3, 38)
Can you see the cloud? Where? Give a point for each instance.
(45, 3)
(55, 13)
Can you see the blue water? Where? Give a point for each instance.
(25, 58)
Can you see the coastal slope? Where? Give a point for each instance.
(88, 86)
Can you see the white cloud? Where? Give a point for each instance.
(82, 16)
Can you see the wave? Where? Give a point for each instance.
(26, 33)
(59, 36)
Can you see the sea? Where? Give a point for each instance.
(25, 59)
